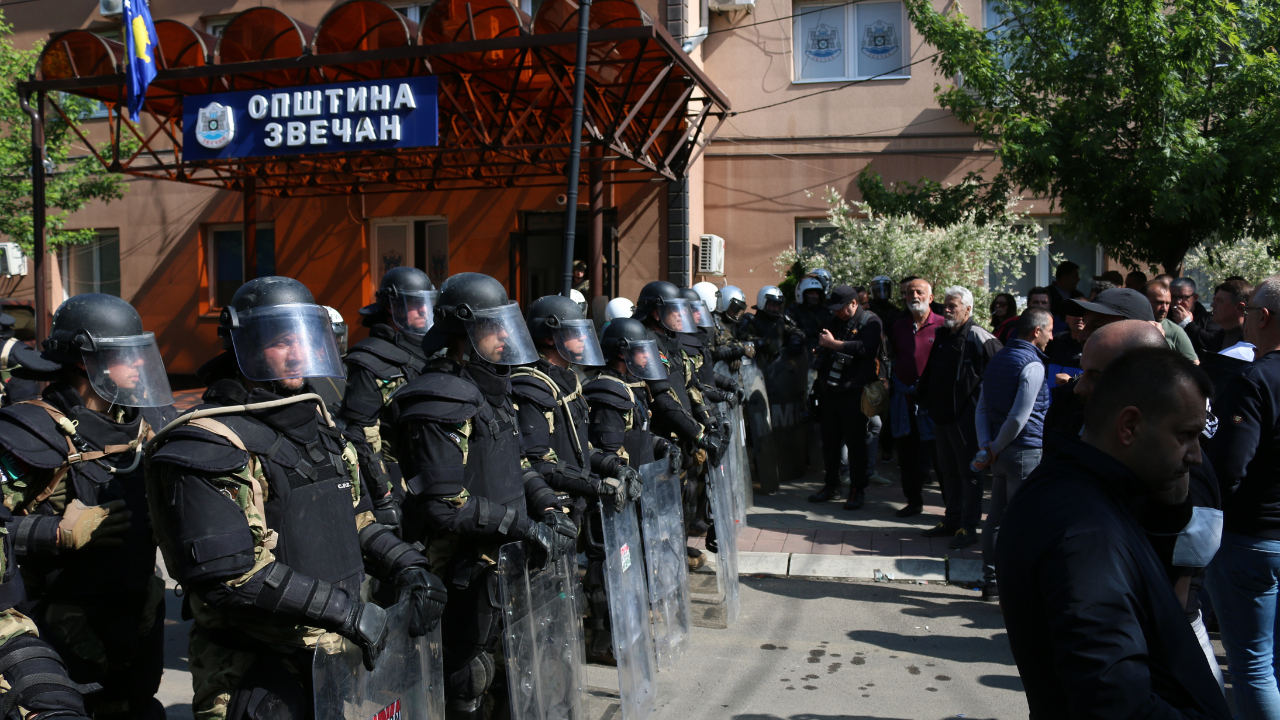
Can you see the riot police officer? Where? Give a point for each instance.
(36, 677)
(467, 490)
(809, 312)
(377, 367)
(13, 352)
(260, 515)
(554, 426)
(619, 397)
(770, 328)
(73, 477)
(730, 303)
(715, 388)
(717, 336)
(882, 301)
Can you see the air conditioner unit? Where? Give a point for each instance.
(12, 260)
(731, 5)
(110, 8)
(711, 255)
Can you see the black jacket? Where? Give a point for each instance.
(952, 380)
(862, 336)
(1246, 449)
(1202, 329)
(1093, 623)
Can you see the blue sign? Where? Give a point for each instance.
(314, 119)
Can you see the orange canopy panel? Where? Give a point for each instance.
(365, 25)
(180, 46)
(82, 54)
(264, 33)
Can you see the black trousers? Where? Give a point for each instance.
(915, 459)
(844, 425)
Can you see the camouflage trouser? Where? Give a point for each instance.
(116, 643)
(13, 625)
(218, 673)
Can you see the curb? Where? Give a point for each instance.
(858, 567)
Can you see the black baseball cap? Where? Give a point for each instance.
(1123, 302)
(840, 296)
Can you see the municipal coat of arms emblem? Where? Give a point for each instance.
(824, 43)
(879, 40)
(217, 126)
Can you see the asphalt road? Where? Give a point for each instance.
(804, 650)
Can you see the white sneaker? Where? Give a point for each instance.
(880, 480)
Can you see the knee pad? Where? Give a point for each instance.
(269, 692)
(467, 685)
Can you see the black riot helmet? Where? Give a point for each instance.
(881, 287)
(673, 309)
(121, 359)
(476, 305)
(406, 293)
(559, 318)
(697, 308)
(631, 340)
(278, 331)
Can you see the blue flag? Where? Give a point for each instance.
(139, 53)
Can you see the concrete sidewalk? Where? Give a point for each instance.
(789, 536)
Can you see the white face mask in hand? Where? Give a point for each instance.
(1199, 540)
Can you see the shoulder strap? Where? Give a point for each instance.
(628, 386)
(4, 352)
(67, 427)
(563, 401)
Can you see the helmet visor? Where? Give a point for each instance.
(285, 342)
(677, 316)
(576, 340)
(128, 371)
(412, 311)
(500, 336)
(701, 316)
(644, 361)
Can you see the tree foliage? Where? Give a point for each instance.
(1254, 259)
(867, 243)
(77, 178)
(1153, 124)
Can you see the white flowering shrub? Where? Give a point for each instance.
(1253, 259)
(866, 245)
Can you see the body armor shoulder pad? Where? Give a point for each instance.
(32, 436)
(608, 392)
(198, 449)
(690, 343)
(534, 389)
(439, 397)
(379, 357)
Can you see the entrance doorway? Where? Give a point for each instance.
(421, 242)
(538, 253)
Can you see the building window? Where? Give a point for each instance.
(416, 12)
(1038, 271)
(851, 42)
(93, 267)
(225, 245)
(813, 234)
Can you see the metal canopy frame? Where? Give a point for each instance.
(500, 127)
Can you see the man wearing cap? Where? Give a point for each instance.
(847, 352)
(1110, 306)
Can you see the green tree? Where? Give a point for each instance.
(1254, 259)
(77, 177)
(1153, 124)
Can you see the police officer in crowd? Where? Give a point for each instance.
(73, 476)
(262, 520)
(468, 489)
(716, 388)
(554, 422)
(809, 312)
(717, 335)
(847, 362)
(770, 327)
(377, 367)
(730, 304)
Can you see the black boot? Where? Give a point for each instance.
(823, 495)
(856, 499)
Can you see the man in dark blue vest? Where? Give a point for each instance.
(1010, 423)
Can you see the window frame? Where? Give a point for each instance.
(209, 265)
(803, 224)
(850, 14)
(64, 259)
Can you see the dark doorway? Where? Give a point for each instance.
(538, 253)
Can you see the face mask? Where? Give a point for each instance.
(1199, 540)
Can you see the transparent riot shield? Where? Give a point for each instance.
(759, 428)
(628, 592)
(542, 637)
(736, 456)
(721, 491)
(666, 562)
(408, 681)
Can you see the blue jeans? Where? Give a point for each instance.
(1011, 467)
(1243, 580)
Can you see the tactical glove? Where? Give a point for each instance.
(675, 460)
(740, 394)
(387, 512)
(611, 492)
(102, 525)
(425, 595)
(540, 542)
(631, 479)
(713, 445)
(565, 532)
(366, 626)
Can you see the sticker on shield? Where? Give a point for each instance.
(217, 126)
(824, 43)
(625, 552)
(390, 712)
